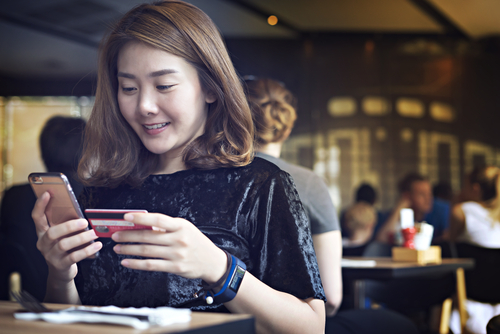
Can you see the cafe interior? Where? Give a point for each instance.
(384, 89)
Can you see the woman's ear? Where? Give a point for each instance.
(287, 134)
(210, 97)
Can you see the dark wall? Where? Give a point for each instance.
(315, 68)
(459, 73)
(10, 86)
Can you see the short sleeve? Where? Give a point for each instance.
(319, 206)
(284, 256)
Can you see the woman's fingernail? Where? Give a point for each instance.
(82, 223)
(117, 249)
(125, 263)
(129, 217)
(92, 232)
(97, 245)
(115, 236)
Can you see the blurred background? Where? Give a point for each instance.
(385, 87)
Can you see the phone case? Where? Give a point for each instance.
(105, 222)
(63, 205)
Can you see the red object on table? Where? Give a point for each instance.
(409, 237)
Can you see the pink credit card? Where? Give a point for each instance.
(105, 222)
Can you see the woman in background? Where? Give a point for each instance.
(476, 221)
(359, 223)
(171, 133)
(274, 115)
(273, 110)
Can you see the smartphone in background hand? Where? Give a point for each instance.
(105, 222)
(63, 205)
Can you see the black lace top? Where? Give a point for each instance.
(253, 212)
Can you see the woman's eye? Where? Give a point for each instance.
(163, 87)
(128, 89)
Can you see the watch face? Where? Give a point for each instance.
(236, 279)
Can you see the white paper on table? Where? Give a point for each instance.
(357, 263)
(160, 316)
(407, 218)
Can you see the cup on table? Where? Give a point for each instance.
(423, 237)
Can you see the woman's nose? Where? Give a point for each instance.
(147, 104)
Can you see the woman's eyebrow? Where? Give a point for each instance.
(125, 75)
(162, 72)
(152, 74)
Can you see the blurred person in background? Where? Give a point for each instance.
(273, 112)
(359, 222)
(274, 115)
(415, 193)
(476, 221)
(60, 145)
(365, 193)
(442, 191)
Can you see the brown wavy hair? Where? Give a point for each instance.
(273, 110)
(113, 153)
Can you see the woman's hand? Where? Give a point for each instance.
(62, 245)
(174, 245)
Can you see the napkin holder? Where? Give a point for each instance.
(430, 255)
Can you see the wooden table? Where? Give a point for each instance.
(384, 269)
(201, 322)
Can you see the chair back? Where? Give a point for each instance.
(482, 282)
(33, 271)
(493, 326)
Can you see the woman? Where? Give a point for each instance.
(477, 219)
(170, 133)
(274, 115)
(359, 222)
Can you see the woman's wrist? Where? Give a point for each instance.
(225, 289)
(217, 269)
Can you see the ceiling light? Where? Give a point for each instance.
(272, 20)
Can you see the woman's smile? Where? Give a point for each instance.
(153, 129)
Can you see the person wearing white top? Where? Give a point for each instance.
(480, 228)
(476, 221)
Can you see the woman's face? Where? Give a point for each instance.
(161, 97)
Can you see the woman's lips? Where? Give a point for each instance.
(154, 129)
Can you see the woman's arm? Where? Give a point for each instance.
(457, 222)
(277, 312)
(328, 248)
(178, 247)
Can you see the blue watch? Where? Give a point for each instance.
(232, 283)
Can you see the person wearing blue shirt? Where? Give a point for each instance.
(416, 194)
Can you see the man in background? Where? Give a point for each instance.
(415, 193)
(60, 146)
